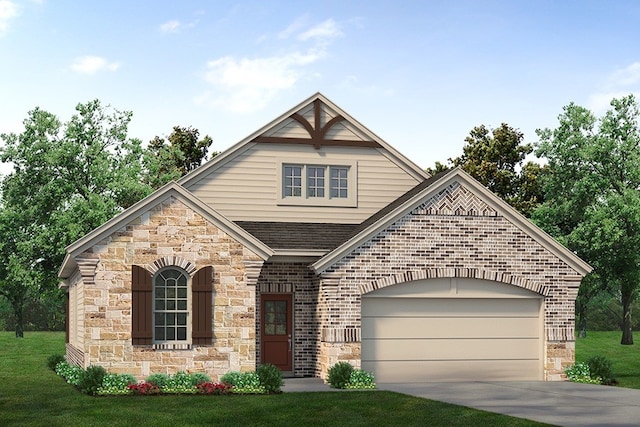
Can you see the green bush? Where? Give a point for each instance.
(53, 360)
(360, 379)
(233, 377)
(91, 379)
(339, 374)
(71, 373)
(243, 382)
(579, 373)
(116, 384)
(199, 378)
(158, 380)
(270, 377)
(600, 366)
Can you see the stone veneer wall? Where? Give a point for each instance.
(454, 234)
(170, 233)
(299, 280)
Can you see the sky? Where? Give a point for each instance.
(419, 74)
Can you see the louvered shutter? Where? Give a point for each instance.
(141, 306)
(202, 293)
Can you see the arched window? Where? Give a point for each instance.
(171, 304)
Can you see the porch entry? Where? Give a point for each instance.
(276, 326)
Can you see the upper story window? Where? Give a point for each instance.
(318, 184)
(170, 303)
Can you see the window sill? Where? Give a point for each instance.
(175, 346)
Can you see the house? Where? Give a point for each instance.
(313, 241)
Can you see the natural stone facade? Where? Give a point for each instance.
(169, 234)
(454, 234)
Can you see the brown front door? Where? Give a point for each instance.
(276, 328)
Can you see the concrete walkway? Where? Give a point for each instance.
(558, 403)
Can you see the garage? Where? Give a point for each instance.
(452, 329)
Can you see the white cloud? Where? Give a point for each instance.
(618, 84)
(248, 84)
(294, 27)
(325, 31)
(8, 11)
(93, 64)
(172, 26)
(627, 76)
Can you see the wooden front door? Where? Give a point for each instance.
(276, 341)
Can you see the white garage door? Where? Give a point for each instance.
(452, 330)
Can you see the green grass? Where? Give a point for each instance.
(625, 359)
(32, 395)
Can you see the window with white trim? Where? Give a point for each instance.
(170, 306)
(318, 184)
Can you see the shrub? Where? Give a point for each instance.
(144, 388)
(243, 382)
(233, 377)
(339, 374)
(199, 378)
(116, 384)
(600, 366)
(159, 380)
(71, 373)
(270, 377)
(53, 360)
(91, 379)
(180, 382)
(579, 373)
(214, 388)
(360, 379)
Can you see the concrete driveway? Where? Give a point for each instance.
(559, 403)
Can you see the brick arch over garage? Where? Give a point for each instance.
(469, 273)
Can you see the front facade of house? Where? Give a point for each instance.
(313, 241)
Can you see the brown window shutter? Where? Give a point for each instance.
(202, 289)
(141, 306)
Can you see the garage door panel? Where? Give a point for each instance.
(439, 327)
(449, 307)
(463, 370)
(480, 330)
(456, 349)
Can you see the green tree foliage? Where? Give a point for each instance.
(67, 180)
(592, 194)
(495, 157)
(170, 159)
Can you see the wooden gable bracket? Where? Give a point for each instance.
(317, 133)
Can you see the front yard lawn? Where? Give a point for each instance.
(32, 395)
(625, 359)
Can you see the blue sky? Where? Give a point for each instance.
(420, 74)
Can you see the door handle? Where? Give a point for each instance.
(289, 340)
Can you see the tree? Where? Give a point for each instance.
(67, 180)
(592, 194)
(179, 154)
(495, 158)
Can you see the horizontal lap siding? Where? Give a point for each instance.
(246, 188)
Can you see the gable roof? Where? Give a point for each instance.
(318, 134)
(429, 188)
(171, 189)
(303, 236)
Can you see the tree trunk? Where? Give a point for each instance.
(582, 321)
(19, 322)
(627, 333)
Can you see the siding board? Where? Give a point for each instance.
(246, 189)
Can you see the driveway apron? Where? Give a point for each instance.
(559, 403)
